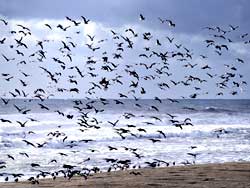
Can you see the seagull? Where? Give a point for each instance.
(5, 22)
(142, 17)
(22, 124)
(170, 23)
(86, 21)
(113, 124)
(5, 101)
(233, 28)
(47, 25)
(8, 59)
(240, 60)
(2, 41)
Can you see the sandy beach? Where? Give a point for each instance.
(208, 175)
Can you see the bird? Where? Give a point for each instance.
(11, 157)
(23, 27)
(8, 59)
(132, 31)
(63, 28)
(112, 148)
(113, 124)
(244, 35)
(154, 140)
(135, 173)
(240, 60)
(142, 18)
(233, 28)
(170, 23)
(154, 108)
(24, 154)
(73, 21)
(162, 133)
(2, 40)
(5, 120)
(4, 21)
(158, 99)
(170, 39)
(158, 42)
(193, 154)
(43, 106)
(5, 101)
(171, 116)
(22, 124)
(59, 112)
(29, 143)
(47, 25)
(193, 96)
(203, 56)
(34, 165)
(205, 67)
(19, 53)
(66, 46)
(86, 21)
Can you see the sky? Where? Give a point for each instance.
(191, 17)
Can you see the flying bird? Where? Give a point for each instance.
(170, 23)
(142, 17)
(4, 21)
(86, 21)
(47, 25)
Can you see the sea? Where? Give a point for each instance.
(218, 131)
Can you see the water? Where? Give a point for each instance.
(220, 133)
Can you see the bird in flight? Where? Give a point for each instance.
(142, 18)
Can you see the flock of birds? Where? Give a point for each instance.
(104, 71)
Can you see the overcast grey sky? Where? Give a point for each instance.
(189, 16)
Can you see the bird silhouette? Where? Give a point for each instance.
(142, 17)
(170, 23)
(86, 21)
(4, 21)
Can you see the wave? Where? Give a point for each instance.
(217, 110)
(15, 139)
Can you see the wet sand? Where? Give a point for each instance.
(210, 175)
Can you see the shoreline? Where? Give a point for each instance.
(233, 174)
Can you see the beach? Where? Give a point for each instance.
(205, 175)
(220, 134)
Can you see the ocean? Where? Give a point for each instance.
(218, 131)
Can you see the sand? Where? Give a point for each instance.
(210, 175)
